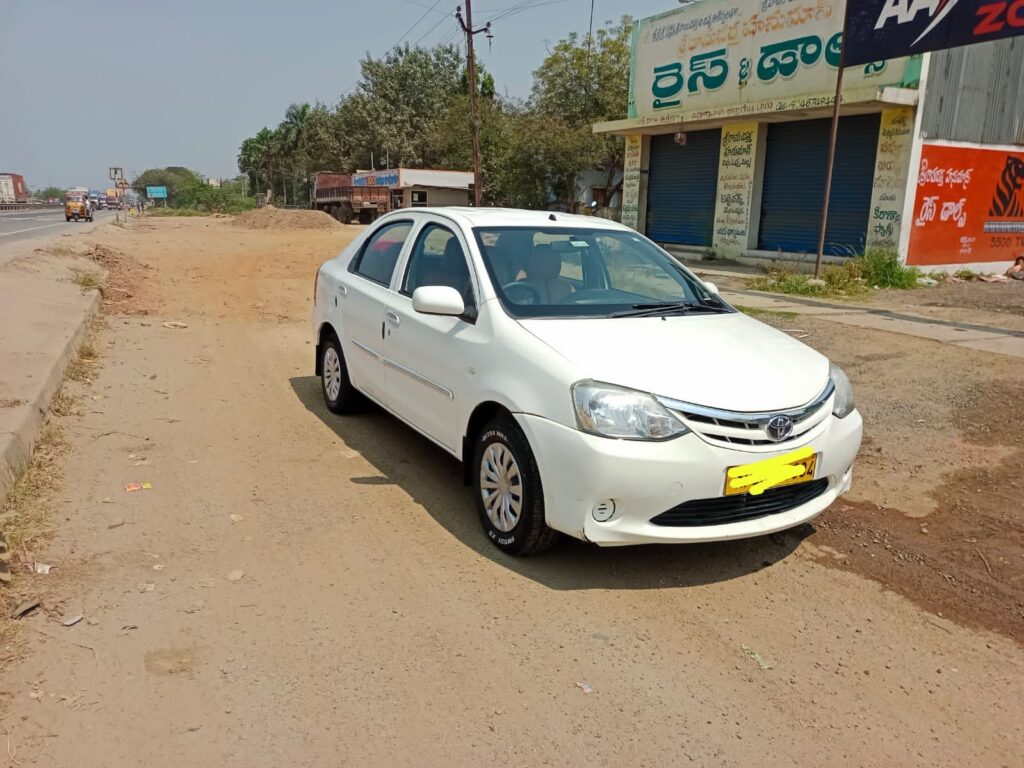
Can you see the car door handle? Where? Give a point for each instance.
(393, 317)
(342, 289)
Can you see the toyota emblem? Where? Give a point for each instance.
(779, 428)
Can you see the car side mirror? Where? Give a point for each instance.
(438, 300)
(711, 287)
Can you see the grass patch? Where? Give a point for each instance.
(64, 404)
(757, 312)
(176, 212)
(88, 281)
(881, 268)
(83, 366)
(877, 268)
(26, 508)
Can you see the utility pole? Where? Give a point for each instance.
(467, 27)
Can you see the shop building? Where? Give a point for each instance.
(365, 195)
(412, 188)
(728, 129)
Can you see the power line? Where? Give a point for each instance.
(445, 18)
(419, 20)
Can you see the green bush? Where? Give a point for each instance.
(877, 268)
(843, 280)
(881, 268)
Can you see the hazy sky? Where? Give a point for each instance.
(94, 83)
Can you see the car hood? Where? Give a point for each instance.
(729, 361)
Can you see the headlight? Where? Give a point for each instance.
(610, 411)
(844, 404)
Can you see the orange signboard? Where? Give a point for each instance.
(969, 206)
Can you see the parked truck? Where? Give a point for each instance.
(13, 189)
(335, 194)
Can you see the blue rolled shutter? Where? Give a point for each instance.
(794, 185)
(682, 187)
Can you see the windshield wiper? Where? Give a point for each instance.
(664, 308)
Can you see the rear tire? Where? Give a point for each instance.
(508, 491)
(339, 394)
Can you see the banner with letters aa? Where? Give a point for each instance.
(889, 28)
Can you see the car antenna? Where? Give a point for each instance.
(552, 217)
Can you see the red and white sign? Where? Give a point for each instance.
(969, 206)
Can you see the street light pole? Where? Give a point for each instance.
(474, 123)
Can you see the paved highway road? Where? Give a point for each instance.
(19, 231)
(45, 223)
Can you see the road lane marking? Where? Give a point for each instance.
(29, 229)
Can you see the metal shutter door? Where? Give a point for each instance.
(794, 185)
(682, 186)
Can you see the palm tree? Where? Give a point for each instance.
(266, 149)
(291, 132)
(249, 161)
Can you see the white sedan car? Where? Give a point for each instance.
(589, 383)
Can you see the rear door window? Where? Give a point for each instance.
(379, 256)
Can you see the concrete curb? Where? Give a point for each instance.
(27, 420)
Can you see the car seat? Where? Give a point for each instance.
(542, 274)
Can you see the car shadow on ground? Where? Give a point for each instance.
(434, 480)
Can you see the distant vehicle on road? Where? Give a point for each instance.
(77, 205)
(13, 188)
(589, 383)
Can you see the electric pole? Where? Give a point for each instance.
(467, 27)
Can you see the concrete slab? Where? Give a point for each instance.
(771, 304)
(1005, 345)
(932, 331)
(43, 319)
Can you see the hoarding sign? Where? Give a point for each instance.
(154, 193)
(744, 53)
(891, 28)
(969, 206)
(376, 179)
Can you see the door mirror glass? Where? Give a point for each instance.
(438, 300)
(711, 287)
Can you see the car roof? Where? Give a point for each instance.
(513, 217)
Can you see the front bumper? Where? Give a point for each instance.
(644, 479)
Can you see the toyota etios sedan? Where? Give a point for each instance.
(589, 383)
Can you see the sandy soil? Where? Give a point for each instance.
(302, 589)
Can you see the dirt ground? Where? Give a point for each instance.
(301, 589)
(998, 304)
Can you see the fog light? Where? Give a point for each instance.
(604, 511)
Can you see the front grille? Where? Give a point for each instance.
(741, 507)
(729, 429)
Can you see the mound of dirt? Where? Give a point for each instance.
(276, 218)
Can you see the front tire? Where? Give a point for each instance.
(339, 394)
(508, 491)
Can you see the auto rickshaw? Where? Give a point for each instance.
(76, 206)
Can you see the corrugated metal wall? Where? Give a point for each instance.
(974, 93)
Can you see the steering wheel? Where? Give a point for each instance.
(527, 292)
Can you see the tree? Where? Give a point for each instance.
(397, 96)
(290, 134)
(49, 192)
(585, 80)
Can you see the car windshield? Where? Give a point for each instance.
(560, 272)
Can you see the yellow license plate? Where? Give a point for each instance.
(766, 474)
